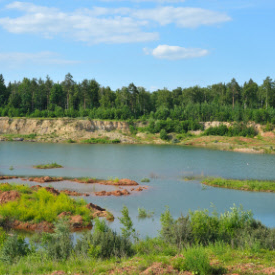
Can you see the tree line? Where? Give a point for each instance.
(221, 101)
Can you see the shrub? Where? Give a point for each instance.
(14, 247)
(103, 243)
(163, 135)
(127, 229)
(58, 245)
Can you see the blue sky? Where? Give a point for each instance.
(153, 43)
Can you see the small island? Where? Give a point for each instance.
(48, 166)
(245, 185)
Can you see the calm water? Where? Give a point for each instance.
(167, 164)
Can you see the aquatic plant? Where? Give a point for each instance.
(143, 213)
(145, 180)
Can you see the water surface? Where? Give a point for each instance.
(165, 165)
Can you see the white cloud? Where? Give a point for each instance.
(16, 59)
(183, 17)
(175, 52)
(104, 25)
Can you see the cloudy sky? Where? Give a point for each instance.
(153, 43)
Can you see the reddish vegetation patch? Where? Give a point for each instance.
(117, 193)
(84, 180)
(121, 182)
(9, 196)
(73, 193)
(46, 179)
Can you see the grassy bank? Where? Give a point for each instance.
(247, 185)
(200, 243)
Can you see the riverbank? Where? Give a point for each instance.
(94, 131)
(239, 245)
(245, 185)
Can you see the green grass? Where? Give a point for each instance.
(145, 180)
(38, 206)
(143, 213)
(48, 166)
(246, 185)
(103, 140)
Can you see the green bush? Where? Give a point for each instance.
(103, 243)
(163, 135)
(58, 245)
(13, 248)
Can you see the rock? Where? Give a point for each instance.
(52, 190)
(76, 221)
(18, 139)
(92, 206)
(41, 227)
(48, 179)
(9, 196)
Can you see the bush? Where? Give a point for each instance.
(58, 245)
(14, 247)
(163, 135)
(104, 243)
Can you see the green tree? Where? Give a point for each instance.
(3, 91)
(250, 90)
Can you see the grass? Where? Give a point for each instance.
(145, 180)
(241, 261)
(246, 185)
(37, 206)
(48, 166)
(103, 140)
(11, 136)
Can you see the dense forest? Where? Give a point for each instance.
(222, 101)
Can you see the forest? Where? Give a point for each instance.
(221, 101)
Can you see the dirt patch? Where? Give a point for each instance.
(9, 196)
(28, 226)
(160, 268)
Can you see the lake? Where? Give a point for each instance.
(164, 165)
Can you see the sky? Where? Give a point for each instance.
(152, 43)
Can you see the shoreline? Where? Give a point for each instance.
(85, 131)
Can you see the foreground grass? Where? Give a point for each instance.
(224, 260)
(246, 185)
(48, 166)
